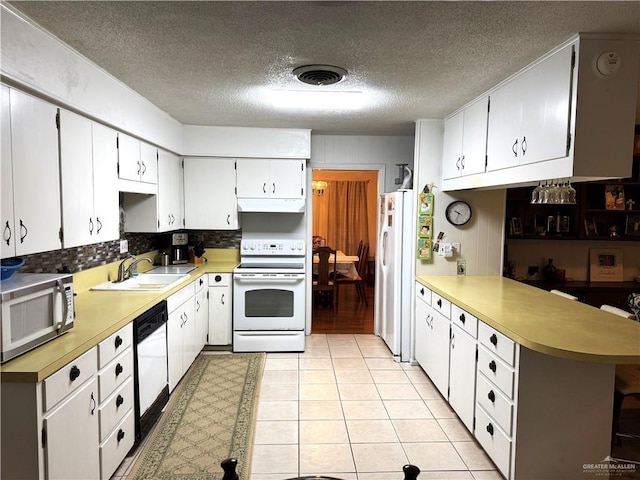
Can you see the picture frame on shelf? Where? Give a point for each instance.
(590, 229)
(614, 197)
(515, 226)
(605, 265)
(564, 224)
(632, 225)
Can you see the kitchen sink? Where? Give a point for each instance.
(144, 282)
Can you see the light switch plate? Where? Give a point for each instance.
(124, 246)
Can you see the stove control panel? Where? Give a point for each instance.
(272, 247)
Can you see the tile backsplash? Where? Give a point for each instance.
(89, 256)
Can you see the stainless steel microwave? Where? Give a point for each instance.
(36, 308)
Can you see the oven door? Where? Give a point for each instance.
(268, 301)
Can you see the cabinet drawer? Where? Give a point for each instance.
(115, 407)
(498, 372)
(181, 296)
(116, 447)
(423, 293)
(69, 377)
(441, 305)
(114, 374)
(219, 279)
(496, 404)
(114, 345)
(494, 441)
(497, 343)
(464, 320)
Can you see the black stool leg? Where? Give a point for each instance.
(411, 472)
(229, 467)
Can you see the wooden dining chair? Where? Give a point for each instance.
(324, 285)
(359, 281)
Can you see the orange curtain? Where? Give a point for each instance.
(346, 216)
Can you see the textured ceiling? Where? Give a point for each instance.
(206, 62)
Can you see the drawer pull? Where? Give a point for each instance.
(492, 366)
(492, 396)
(490, 429)
(120, 435)
(118, 341)
(494, 339)
(119, 369)
(462, 318)
(119, 401)
(74, 373)
(439, 302)
(422, 291)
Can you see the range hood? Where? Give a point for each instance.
(274, 205)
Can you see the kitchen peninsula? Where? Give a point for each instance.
(543, 373)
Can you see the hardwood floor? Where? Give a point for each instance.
(352, 316)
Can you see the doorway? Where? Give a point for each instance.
(340, 198)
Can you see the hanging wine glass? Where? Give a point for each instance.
(535, 193)
(572, 193)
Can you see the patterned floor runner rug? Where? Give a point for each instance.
(211, 416)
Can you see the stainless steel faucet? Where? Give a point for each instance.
(125, 273)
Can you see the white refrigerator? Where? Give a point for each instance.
(395, 267)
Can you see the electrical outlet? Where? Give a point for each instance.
(461, 267)
(456, 248)
(124, 246)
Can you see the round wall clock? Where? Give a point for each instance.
(458, 213)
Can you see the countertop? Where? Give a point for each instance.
(98, 315)
(542, 321)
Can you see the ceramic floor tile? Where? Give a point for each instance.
(379, 457)
(317, 459)
(455, 430)
(440, 409)
(358, 391)
(272, 476)
(316, 352)
(353, 376)
(345, 352)
(281, 364)
(282, 355)
(407, 409)
(427, 391)
(447, 475)
(434, 456)
(289, 377)
(486, 475)
(397, 391)
(323, 431)
(375, 363)
(319, 391)
(278, 410)
(417, 375)
(364, 409)
(473, 456)
(315, 363)
(371, 431)
(341, 339)
(355, 363)
(320, 410)
(375, 351)
(389, 376)
(276, 432)
(276, 391)
(317, 376)
(274, 459)
(421, 430)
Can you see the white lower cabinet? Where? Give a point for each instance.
(220, 309)
(181, 333)
(462, 373)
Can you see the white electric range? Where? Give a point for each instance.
(269, 296)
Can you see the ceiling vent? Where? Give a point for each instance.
(319, 75)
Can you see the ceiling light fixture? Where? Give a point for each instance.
(314, 100)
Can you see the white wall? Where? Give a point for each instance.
(34, 59)
(481, 238)
(354, 152)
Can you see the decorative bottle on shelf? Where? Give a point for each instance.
(549, 271)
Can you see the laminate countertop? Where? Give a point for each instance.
(542, 321)
(98, 315)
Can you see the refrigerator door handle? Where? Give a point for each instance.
(384, 248)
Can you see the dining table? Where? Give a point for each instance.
(345, 264)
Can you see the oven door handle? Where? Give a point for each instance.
(256, 279)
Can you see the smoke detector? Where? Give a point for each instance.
(319, 75)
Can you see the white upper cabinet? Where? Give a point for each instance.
(270, 178)
(137, 165)
(465, 141)
(529, 120)
(210, 193)
(30, 170)
(88, 158)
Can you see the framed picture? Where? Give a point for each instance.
(424, 249)
(590, 229)
(564, 223)
(425, 226)
(515, 226)
(605, 265)
(632, 226)
(425, 206)
(614, 197)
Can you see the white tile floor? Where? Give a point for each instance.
(345, 409)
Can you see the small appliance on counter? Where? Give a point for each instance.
(179, 248)
(35, 308)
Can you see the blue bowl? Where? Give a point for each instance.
(9, 265)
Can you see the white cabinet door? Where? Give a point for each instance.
(181, 340)
(286, 178)
(462, 375)
(474, 137)
(452, 146)
(210, 193)
(128, 157)
(423, 319)
(503, 137)
(202, 318)
(71, 448)
(148, 163)
(252, 178)
(169, 201)
(105, 188)
(36, 174)
(8, 248)
(220, 315)
(270, 178)
(436, 362)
